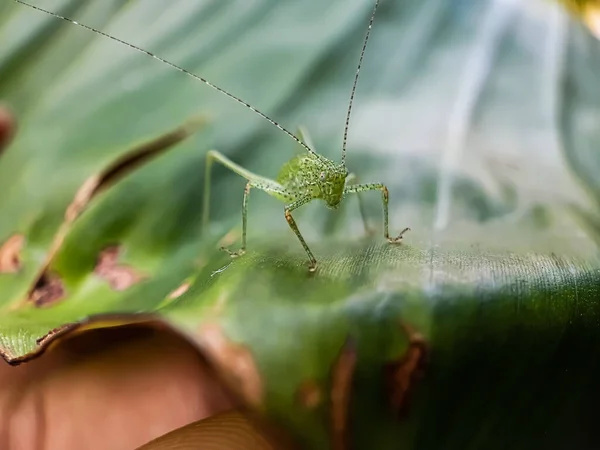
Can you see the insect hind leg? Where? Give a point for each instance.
(312, 267)
(242, 249)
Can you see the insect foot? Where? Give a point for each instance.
(240, 252)
(398, 238)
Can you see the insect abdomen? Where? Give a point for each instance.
(300, 175)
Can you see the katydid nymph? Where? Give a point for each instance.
(306, 177)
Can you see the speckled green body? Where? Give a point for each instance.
(310, 175)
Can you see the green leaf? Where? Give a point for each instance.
(487, 313)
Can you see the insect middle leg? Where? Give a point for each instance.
(358, 188)
(292, 223)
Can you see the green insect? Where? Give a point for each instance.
(302, 179)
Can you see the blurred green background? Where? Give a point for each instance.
(466, 111)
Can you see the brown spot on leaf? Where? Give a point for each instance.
(402, 375)
(234, 363)
(7, 127)
(309, 394)
(341, 390)
(48, 290)
(119, 277)
(10, 260)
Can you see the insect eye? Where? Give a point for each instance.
(322, 176)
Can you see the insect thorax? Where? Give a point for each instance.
(314, 176)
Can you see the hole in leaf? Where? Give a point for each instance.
(47, 291)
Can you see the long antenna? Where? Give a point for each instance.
(362, 55)
(175, 66)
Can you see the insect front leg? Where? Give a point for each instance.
(292, 223)
(357, 188)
